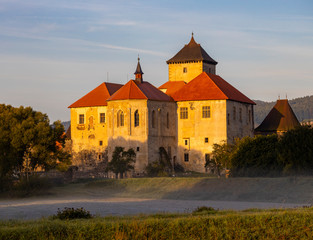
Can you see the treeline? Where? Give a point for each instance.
(28, 142)
(302, 107)
(272, 155)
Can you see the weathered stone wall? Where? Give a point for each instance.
(193, 132)
(176, 71)
(240, 120)
(89, 137)
(144, 139)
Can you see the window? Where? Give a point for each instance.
(102, 117)
(186, 157)
(100, 143)
(183, 113)
(138, 149)
(186, 142)
(100, 157)
(81, 118)
(185, 70)
(153, 119)
(167, 120)
(249, 116)
(234, 113)
(136, 118)
(206, 140)
(240, 114)
(120, 118)
(206, 112)
(227, 118)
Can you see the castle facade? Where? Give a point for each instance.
(185, 116)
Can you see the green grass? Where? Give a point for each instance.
(289, 190)
(254, 224)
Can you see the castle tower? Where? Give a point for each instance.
(189, 62)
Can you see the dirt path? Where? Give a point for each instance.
(44, 207)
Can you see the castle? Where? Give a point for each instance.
(185, 116)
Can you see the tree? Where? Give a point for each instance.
(220, 157)
(122, 161)
(28, 141)
(296, 150)
(256, 156)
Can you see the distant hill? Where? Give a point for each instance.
(66, 125)
(302, 107)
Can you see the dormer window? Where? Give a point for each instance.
(185, 70)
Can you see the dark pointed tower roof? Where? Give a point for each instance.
(192, 52)
(280, 119)
(138, 69)
(139, 72)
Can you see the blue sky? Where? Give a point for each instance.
(54, 52)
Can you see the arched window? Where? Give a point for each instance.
(153, 119)
(167, 120)
(120, 118)
(136, 118)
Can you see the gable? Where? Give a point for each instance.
(98, 96)
(208, 86)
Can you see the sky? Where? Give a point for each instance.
(54, 52)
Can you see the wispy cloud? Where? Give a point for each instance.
(71, 41)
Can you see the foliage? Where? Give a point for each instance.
(272, 155)
(296, 150)
(262, 224)
(162, 167)
(72, 213)
(220, 157)
(34, 185)
(156, 169)
(27, 141)
(204, 210)
(122, 161)
(256, 156)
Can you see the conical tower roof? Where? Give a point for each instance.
(192, 52)
(138, 68)
(280, 119)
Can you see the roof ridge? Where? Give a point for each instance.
(217, 84)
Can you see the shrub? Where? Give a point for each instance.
(35, 185)
(72, 213)
(204, 210)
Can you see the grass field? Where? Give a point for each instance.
(289, 190)
(248, 224)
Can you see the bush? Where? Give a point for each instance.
(156, 169)
(72, 213)
(204, 210)
(35, 185)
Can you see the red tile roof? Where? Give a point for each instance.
(172, 86)
(98, 96)
(137, 90)
(280, 118)
(207, 86)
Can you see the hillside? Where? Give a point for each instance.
(302, 107)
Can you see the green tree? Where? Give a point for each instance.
(296, 150)
(28, 141)
(221, 157)
(256, 156)
(122, 161)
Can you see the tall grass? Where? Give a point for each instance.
(274, 224)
